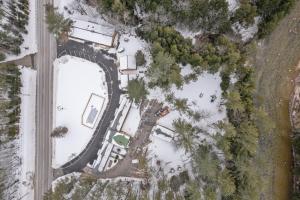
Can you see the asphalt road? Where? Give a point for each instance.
(44, 59)
(89, 154)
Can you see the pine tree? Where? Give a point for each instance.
(57, 23)
(137, 90)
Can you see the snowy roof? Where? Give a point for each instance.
(92, 32)
(105, 157)
(127, 63)
(131, 123)
(124, 81)
(125, 110)
(163, 133)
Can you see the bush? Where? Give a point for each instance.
(59, 131)
(140, 58)
(137, 90)
(175, 183)
(2, 56)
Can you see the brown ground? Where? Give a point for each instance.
(276, 59)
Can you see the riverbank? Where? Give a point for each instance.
(275, 60)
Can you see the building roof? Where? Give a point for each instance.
(124, 81)
(92, 32)
(163, 133)
(131, 122)
(127, 63)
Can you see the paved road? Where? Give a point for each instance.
(89, 154)
(44, 59)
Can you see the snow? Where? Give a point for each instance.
(132, 121)
(170, 156)
(124, 109)
(232, 5)
(75, 79)
(247, 33)
(124, 81)
(207, 85)
(96, 33)
(186, 33)
(127, 63)
(105, 158)
(27, 132)
(29, 46)
(163, 133)
(131, 43)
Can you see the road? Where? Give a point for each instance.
(89, 154)
(44, 59)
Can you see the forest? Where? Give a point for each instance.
(235, 173)
(14, 17)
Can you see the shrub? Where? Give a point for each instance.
(2, 56)
(59, 131)
(140, 58)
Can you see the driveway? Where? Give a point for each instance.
(89, 154)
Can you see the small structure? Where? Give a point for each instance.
(100, 35)
(163, 112)
(92, 110)
(163, 133)
(127, 65)
(120, 140)
(131, 122)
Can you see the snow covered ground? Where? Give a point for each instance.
(75, 79)
(233, 5)
(27, 132)
(168, 155)
(199, 95)
(29, 45)
(249, 32)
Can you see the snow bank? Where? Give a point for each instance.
(27, 132)
(75, 79)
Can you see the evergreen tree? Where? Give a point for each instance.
(57, 23)
(186, 133)
(164, 72)
(137, 90)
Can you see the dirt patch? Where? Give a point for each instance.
(277, 61)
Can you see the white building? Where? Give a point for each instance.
(163, 133)
(127, 65)
(100, 35)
